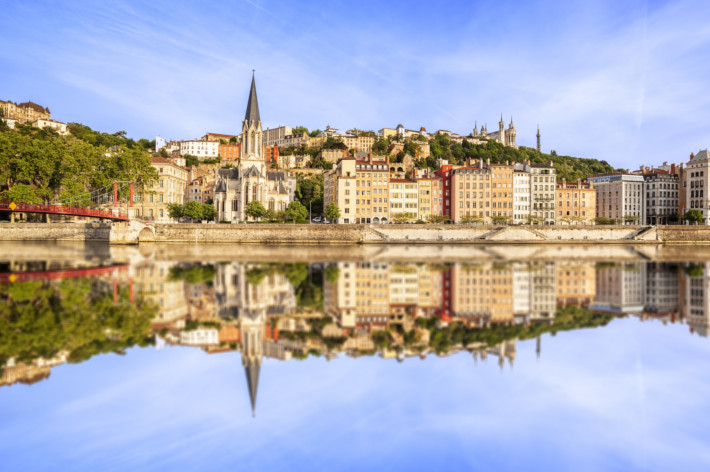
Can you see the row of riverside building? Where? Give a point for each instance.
(366, 191)
(479, 191)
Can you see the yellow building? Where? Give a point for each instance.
(171, 187)
(372, 190)
(576, 202)
(501, 192)
(471, 194)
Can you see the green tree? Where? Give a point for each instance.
(21, 193)
(436, 219)
(296, 212)
(334, 143)
(191, 161)
(208, 212)
(176, 211)
(403, 217)
(255, 210)
(693, 216)
(193, 210)
(332, 212)
(380, 146)
(471, 219)
(603, 220)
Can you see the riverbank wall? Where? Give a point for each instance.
(135, 232)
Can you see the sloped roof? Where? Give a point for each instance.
(700, 156)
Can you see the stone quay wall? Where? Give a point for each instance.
(55, 232)
(134, 232)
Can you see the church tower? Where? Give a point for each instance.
(510, 135)
(252, 149)
(538, 138)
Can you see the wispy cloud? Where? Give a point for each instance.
(624, 83)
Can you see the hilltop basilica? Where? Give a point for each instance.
(251, 180)
(504, 136)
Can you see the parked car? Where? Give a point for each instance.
(316, 219)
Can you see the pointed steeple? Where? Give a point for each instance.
(252, 113)
(252, 369)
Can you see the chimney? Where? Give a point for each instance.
(672, 168)
(488, 161)
(692, 155)
(564, 182)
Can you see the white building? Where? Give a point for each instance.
(521, 194)
(201, 149)
(620, 197)
(543, 192)
(200, 337)
(57, 126)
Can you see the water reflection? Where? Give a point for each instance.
(55, 312)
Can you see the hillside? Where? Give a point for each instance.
(568, 167)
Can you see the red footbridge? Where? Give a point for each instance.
(116, 214)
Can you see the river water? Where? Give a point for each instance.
(354, 358)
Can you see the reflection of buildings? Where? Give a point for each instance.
(661, 288)
(152, 280)
(621, 287)
(695, 286)
(576, 284)
(254, 308)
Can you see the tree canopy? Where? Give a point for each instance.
(46, 166)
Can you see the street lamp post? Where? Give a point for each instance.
(310, 207)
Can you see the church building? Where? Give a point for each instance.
(251, 180)
(504, 136)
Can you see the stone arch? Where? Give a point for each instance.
(147, 234)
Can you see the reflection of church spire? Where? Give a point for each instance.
(252, 367)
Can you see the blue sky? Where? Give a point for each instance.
(629, 396)
(621, 81)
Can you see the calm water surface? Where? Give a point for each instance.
(170, 358)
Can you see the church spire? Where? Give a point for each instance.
(252, 113)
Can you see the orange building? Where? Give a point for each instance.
(576, 202)
(271, 154)
(229, 152)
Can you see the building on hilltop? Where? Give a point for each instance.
(26, 112)
(503, 136)
(250, 180)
